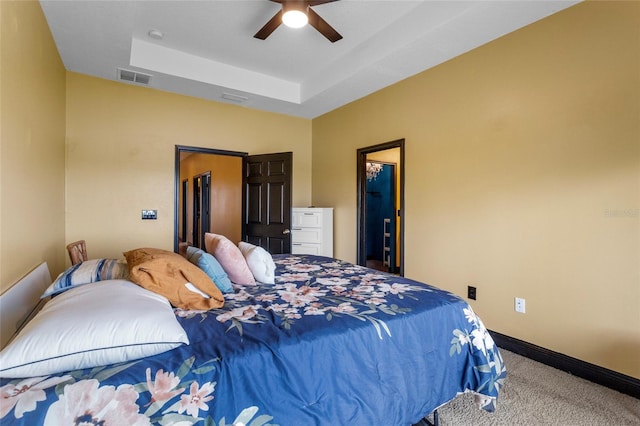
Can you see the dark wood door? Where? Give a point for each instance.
(266, 201)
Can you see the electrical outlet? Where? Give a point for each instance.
(520, 305)
(471, 292)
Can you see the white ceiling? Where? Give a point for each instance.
(208, 47)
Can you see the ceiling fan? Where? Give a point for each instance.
(297, 13)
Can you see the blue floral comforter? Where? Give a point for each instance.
(331, 343)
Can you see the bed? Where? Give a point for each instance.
(330, 343)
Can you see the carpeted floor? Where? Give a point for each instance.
(535, 394)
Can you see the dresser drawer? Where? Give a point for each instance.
(306, 235)
(304, 219)
(304, 248)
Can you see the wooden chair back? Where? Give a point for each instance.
(77, 251)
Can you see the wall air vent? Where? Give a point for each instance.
(133, 76)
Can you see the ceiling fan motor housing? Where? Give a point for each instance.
(296, 5)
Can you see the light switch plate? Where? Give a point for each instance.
(149, 214)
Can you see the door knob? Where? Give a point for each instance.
(286, 231)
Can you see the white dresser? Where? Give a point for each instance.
(312, 231)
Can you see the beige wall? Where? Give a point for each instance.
(32, 130)
(120, 157)
(522, 179)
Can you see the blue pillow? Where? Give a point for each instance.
(211, 267)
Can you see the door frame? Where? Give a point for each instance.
(202, 200)
(362, 196)
(183, 208)
(179, 149)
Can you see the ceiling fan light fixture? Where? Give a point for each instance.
(296, 14)
(294, 18)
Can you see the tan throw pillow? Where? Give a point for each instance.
(171, 275)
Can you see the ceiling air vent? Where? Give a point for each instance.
(234, 98)
(133, 76)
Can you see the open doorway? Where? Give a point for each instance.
(381, 207)
(243, 197)
(210, 197)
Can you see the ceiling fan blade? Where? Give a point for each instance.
(319, 2)
(270, 26)
(323, 27)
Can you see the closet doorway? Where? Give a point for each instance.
(381, 207)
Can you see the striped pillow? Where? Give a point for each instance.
(89, 271)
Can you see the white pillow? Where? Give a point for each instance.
(87, 272)
(260, 262)
(88, 326)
